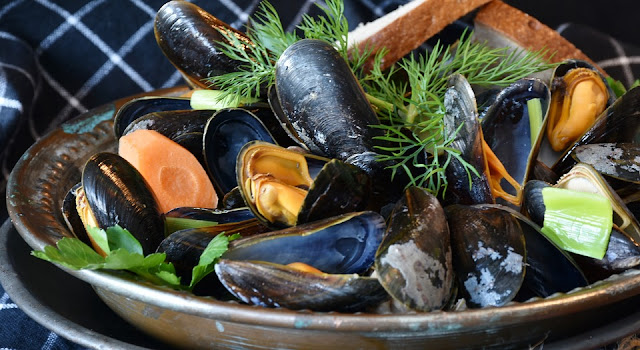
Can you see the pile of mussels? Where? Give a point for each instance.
(332, 206)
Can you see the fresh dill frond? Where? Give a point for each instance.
(332, 27)
(266, 28)
(416, 106)
(268, 40)
(256, 70)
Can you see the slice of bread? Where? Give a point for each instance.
(503, 25)
(410, 25)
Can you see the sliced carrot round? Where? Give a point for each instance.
(174, 174)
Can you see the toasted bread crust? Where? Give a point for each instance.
(528, 32)
(402, 31)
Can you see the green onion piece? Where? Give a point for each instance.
(617, 86)
(172, 225)
(578, 222)
(211, 99)
(535, 118)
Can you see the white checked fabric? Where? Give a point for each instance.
(59, 58)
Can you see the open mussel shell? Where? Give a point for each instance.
(414, 262)
(208, 214)
(225, 135)
(141, 106)
(488, 253)
(579, 94)
(620, 123)
(269, 177)
(190, 38)
(461, 120)
(118, 195)
(341, 244)
(583, 177)
(618, 160)
(172, 124)
(507, 130)
(70, 214)
(272, 285)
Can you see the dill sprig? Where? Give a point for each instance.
(412, 110)
(269, 40)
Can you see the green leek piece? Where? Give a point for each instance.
(211, 99)
(535, 118)
(172, 225)
(578, 222)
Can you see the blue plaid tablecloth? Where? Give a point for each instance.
(59, 58)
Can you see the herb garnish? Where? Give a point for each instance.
(124, 252)
(416, 106)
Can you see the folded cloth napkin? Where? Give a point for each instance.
(59, 58)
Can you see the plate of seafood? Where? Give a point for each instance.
(308, 192)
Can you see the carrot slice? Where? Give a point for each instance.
(174, 174)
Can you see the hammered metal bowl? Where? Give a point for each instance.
(50, 167)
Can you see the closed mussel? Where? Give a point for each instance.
(488, 253)
(549, 268)
(190, 38)
(319, 98)
(117, 194)
(273, 285)
(341, 244)
(413, 261)
(285, 187)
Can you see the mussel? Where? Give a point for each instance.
(507, 129)
(320, 99)
(141, 106)
(462, 125)
(117, 194)
(489, 253)
(414, 261)
(190, 38)
(579, 94)
(617, 124)
(274, 285)
(341, 244)
(225, 134)
(285, 187)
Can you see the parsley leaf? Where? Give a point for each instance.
(210, 256)
(124, 252)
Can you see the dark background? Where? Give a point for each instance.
(618, 18)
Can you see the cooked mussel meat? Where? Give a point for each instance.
(285, 187)
(225, 134)
(579, 94)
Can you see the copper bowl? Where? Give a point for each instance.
(50, 167)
